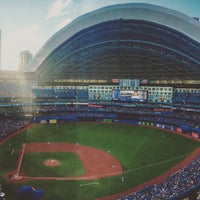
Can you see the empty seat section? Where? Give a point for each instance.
(60, 93)
(180, 97)
(71, 94)
(82, 95)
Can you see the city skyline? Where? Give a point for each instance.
(29, 24)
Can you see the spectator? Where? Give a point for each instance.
(29, 193)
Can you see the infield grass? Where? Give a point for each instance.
(143, 152)
(69, 164)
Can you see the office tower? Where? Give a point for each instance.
(24, 58)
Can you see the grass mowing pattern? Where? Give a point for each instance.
(144, 153)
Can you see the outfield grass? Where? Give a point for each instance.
(143, 152)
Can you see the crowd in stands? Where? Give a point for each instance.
(171, 120)
(2, 194)
(172, 187)
(10, 125)
(145, 113)
(141, 112)
(9, 110)
(198, 195)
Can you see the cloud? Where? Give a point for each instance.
(58, 8)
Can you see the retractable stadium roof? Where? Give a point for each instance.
(140, 41)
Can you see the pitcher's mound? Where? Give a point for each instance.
(51, 163)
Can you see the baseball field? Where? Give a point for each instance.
(86, 161)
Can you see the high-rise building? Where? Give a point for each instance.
(0, 48)
(24, 58)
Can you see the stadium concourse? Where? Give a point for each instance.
(131, 63)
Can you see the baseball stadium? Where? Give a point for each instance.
(108, 109)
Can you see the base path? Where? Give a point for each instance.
(97, 163)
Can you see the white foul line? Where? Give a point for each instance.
(85, 184)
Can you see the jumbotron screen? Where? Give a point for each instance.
(129, 95)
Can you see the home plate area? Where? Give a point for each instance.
(97, 163)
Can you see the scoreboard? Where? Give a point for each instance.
(129, 95)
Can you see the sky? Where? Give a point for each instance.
(28, 24)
